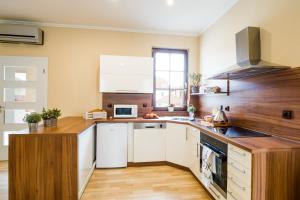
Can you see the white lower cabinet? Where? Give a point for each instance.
(86, 157)
(238, 174)
(176, 148)
(149, 145)
(193, 143)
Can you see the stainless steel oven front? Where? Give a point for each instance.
(218, 177)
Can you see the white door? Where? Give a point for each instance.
(23, 89)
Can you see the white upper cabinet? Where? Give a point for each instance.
(125, 74)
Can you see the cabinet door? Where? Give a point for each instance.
(125, 65)
(195, 164)
(86, 157)
(126, 84)
(125, 74)
(194, 150)
(149, 145)
(177, 144)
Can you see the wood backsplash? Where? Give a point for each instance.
(257, 103)
(144, 102)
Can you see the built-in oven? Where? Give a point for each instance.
(125, 111)
(218, 149)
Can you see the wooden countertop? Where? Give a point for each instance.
(66, 125)
(76, 125)
(251, 144)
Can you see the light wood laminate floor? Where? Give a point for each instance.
(133, 183)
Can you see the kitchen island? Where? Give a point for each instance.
(56, 163)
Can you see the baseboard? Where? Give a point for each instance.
(145, 164)
(158, 163)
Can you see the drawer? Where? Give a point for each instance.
(215, 193)
(233, 193)
(239, 188)
(239, 155)
(240, 171)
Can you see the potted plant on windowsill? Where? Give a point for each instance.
(195, 80)
(191, 109)
(171, 108)
(33, 120)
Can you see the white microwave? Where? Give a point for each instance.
(125, 111)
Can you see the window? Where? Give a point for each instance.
(170, 78)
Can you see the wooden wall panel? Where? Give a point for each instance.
(258, 102)
(144, 102)
(43, 167)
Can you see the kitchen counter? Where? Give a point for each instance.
(66, 125)
(57, 158)
(251, 144)
(76, 125)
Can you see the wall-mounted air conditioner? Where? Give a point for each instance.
(14, 33)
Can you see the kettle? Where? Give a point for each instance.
(220, 116)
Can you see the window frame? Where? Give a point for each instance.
(167, 50)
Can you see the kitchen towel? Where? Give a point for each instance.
(206, 175)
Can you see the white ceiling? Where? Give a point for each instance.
(186, 17)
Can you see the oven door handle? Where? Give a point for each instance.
(216, 153)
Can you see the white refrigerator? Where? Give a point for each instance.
(111, 145)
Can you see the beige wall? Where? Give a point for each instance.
(74, 60)
(280, 34)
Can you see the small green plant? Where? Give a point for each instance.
(56, 113)
(195, 78)
(51, 113)
(46, 114)
(32, 118)
(191, 109)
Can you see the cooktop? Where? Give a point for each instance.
(236, 132)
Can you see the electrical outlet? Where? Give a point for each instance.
(287, 114)
(227, 108)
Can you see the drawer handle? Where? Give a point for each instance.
(218, 196)
(234, 182)
(232, 195)
(235, 167)
(242, 154)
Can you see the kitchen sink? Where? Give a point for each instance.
(180, 118)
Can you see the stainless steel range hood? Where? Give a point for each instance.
(248, 54)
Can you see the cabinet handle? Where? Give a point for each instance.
(235, 183)
(232, 195)
(241, 154)
(235, 167)
(133, 91)
(2, 109)
(186, 138)
(197, 149)
(218, 196)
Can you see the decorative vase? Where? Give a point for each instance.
(33, 127)
(47, 122)
(195, 89)
(54, 122)
(191, 115)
